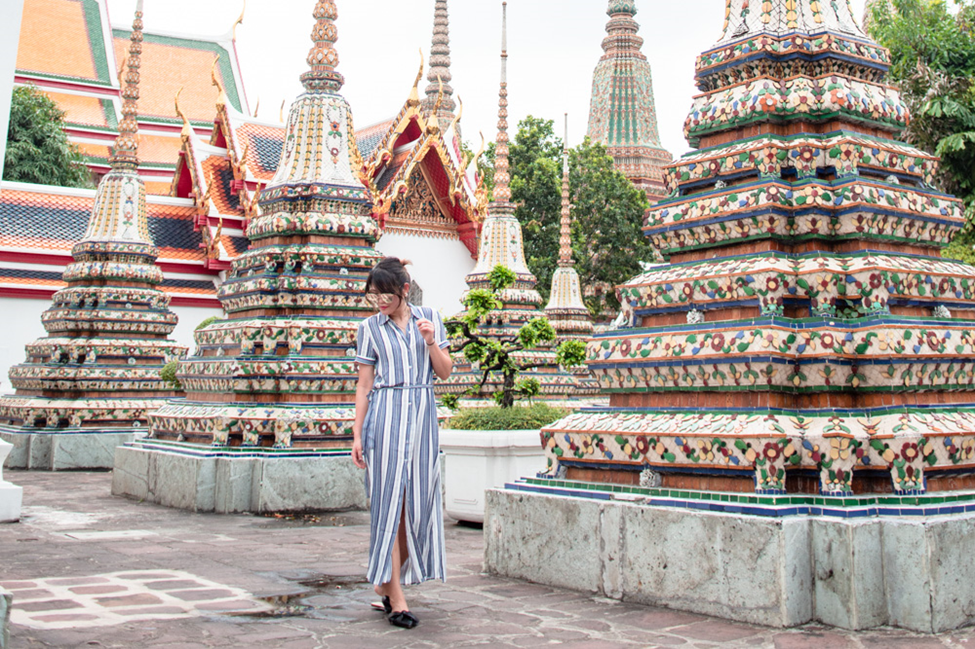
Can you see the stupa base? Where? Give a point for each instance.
(856, 563)
(237, 480)
(65, 450)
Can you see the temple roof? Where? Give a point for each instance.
(70, 51)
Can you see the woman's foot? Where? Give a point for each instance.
(403, 619)
(383, 604)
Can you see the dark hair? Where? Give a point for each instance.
(388, 276)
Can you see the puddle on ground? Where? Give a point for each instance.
(313, 520)
(49, 518)
(319, 587)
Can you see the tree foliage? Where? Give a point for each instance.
(608, 245)
(498, 356)
(933, 61)
(38, 150)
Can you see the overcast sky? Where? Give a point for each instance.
(553, 47)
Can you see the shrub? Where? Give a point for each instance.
(206, 323)
(517, 417)
(168, 375)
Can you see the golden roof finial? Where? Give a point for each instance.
(187, 127)
(221, 93)
(414, 99)
(433, 125)
(460, 113)
(239, 21)
(257, 106)
(281, 112)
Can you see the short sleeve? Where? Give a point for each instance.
(441, 331)
(365, 348)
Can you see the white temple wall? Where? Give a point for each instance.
(439, 266)
(11, 12)
(21, 325)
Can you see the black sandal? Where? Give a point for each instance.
(403, 619)
(384, 606)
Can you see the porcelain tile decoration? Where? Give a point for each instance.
(279, 371)
(623, 114)
(98, 370)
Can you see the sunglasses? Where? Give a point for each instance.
(380, 299)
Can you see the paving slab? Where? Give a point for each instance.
(92, 569)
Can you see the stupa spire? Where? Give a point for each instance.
(502, 176)
(623, 115)
(565, 226)
(126, 152)
(323, 59)
(566, 309)
(439, 72)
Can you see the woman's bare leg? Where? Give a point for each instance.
(393, 588)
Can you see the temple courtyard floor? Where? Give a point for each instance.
(91, 570)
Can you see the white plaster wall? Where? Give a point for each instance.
(439, 265)
(20, 324)
(11, 12)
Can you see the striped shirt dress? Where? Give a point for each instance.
(401, 446)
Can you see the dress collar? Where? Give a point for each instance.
(415, 314)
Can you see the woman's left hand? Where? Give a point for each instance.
(427, 330)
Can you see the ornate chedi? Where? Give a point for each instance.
(502, 244)
(98, 370)
(792, 397)
(623, 115)
(439, 101)
(806, 336)
(566, 310)
(280, 371)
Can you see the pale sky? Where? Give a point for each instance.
(553, 46)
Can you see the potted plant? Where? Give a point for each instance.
(486, 447)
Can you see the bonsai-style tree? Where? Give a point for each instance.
(498, 356)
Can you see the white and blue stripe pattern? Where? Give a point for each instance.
(401, 446)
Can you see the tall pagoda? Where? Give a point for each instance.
(623, 115)
(566, 310)
(91, 383)
(275, 381)
(792, 395)
(502, 245)
(439, 101)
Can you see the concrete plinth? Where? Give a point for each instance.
(6, 603)
(79, 450)
(11, 496)
(227, 481)
(910, 572)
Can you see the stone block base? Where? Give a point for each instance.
(65, 451)
(856, 573)
(6, 603)
(226, 481)
(11, 500)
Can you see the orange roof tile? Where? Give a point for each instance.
(80, 109)
(159, 149)
(218, 178)
(56, 39)
(263, 148)
(155, 188)
(98, 151)
(169, 64)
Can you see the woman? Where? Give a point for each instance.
(396, 437)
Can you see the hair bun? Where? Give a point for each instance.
(405, 262)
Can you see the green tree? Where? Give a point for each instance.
(499, 356)
(38, 150)
(608, 245)
(607, 220)
(933, 61)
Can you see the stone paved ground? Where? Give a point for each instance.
(91, 570)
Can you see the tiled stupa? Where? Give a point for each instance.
(566, 310)
(279, 373)
(805, 313)
(92, 382)
(791, 428)
(502, 244)
(622, 114)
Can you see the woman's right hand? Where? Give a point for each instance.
(357, 458)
